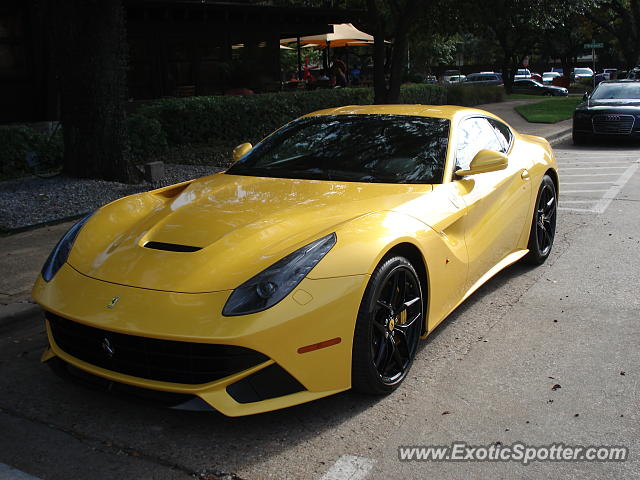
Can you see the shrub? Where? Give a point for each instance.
(231, 119)
(17, 140)
(423, 94)
(241, 118)
(146, 137)
(470, 96)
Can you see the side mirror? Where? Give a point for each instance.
(240, 151)
(485, 161)
(586, 96)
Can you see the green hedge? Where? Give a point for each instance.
(470, 96)
(241, 118)
(218, 123)
(17, 140)
(232, 119)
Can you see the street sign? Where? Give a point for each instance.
(593, 45)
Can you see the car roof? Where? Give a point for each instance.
(449, 112)
(621, 80)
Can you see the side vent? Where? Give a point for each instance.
(171, 247)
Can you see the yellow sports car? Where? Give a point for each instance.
(313, 265)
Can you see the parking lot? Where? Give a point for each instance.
(593, 176)
(487, 375)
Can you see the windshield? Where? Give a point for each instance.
(356, 148)
(617, 91)
(583, 71)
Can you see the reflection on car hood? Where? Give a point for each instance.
(611, 104)
(238, 226)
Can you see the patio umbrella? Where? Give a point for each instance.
(344, 34)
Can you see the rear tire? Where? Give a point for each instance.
(543, 225)
(388, 327)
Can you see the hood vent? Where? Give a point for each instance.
(171, 247)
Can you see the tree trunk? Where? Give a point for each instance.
(91, 55)
(379, 54)
(404, 15)
(399, 54)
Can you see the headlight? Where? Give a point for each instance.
(276, 282)
(60, 252)
(582, 116)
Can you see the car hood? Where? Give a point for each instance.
(631, 105)
(235, 226)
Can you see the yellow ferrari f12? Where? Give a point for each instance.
(313, 265)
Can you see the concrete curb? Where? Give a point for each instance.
(16, 312)
(5, 231)
(559, 137)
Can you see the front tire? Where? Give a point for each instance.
(579, 138)
(388, 327)
(543, 225)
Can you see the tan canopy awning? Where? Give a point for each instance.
(344, 34)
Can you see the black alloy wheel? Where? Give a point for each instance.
(543, 226)
(388, 327)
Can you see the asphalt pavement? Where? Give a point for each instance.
(537, 355)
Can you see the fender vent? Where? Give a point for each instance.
(171, 247)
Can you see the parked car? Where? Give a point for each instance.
(610, 73)
(547, 77)
(484, 78)
(531, 87)
(456, 79)
(610, 110)
(312, 266)
(580, 73)
(561, 81)
(634, 74)
(446, 76)
(522, 73)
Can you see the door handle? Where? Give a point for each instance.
(525, 174)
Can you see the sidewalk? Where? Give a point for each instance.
(25, 252)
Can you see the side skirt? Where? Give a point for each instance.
(501, 265)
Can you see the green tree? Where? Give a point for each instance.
(90, 52)
(620, 18)
(566, 42)
(390, 19)
(517, 26)
(397, 20)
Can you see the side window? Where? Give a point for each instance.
(475, 134)
(503, 133)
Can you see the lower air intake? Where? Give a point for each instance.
(151, 358)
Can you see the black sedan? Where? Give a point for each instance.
(531, 87)
(612, 110)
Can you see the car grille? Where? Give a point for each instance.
(613, 124)
(150, 358)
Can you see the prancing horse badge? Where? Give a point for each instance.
(113, 302)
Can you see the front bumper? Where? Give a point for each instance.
(317, 311)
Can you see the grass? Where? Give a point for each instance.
(549, 111)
